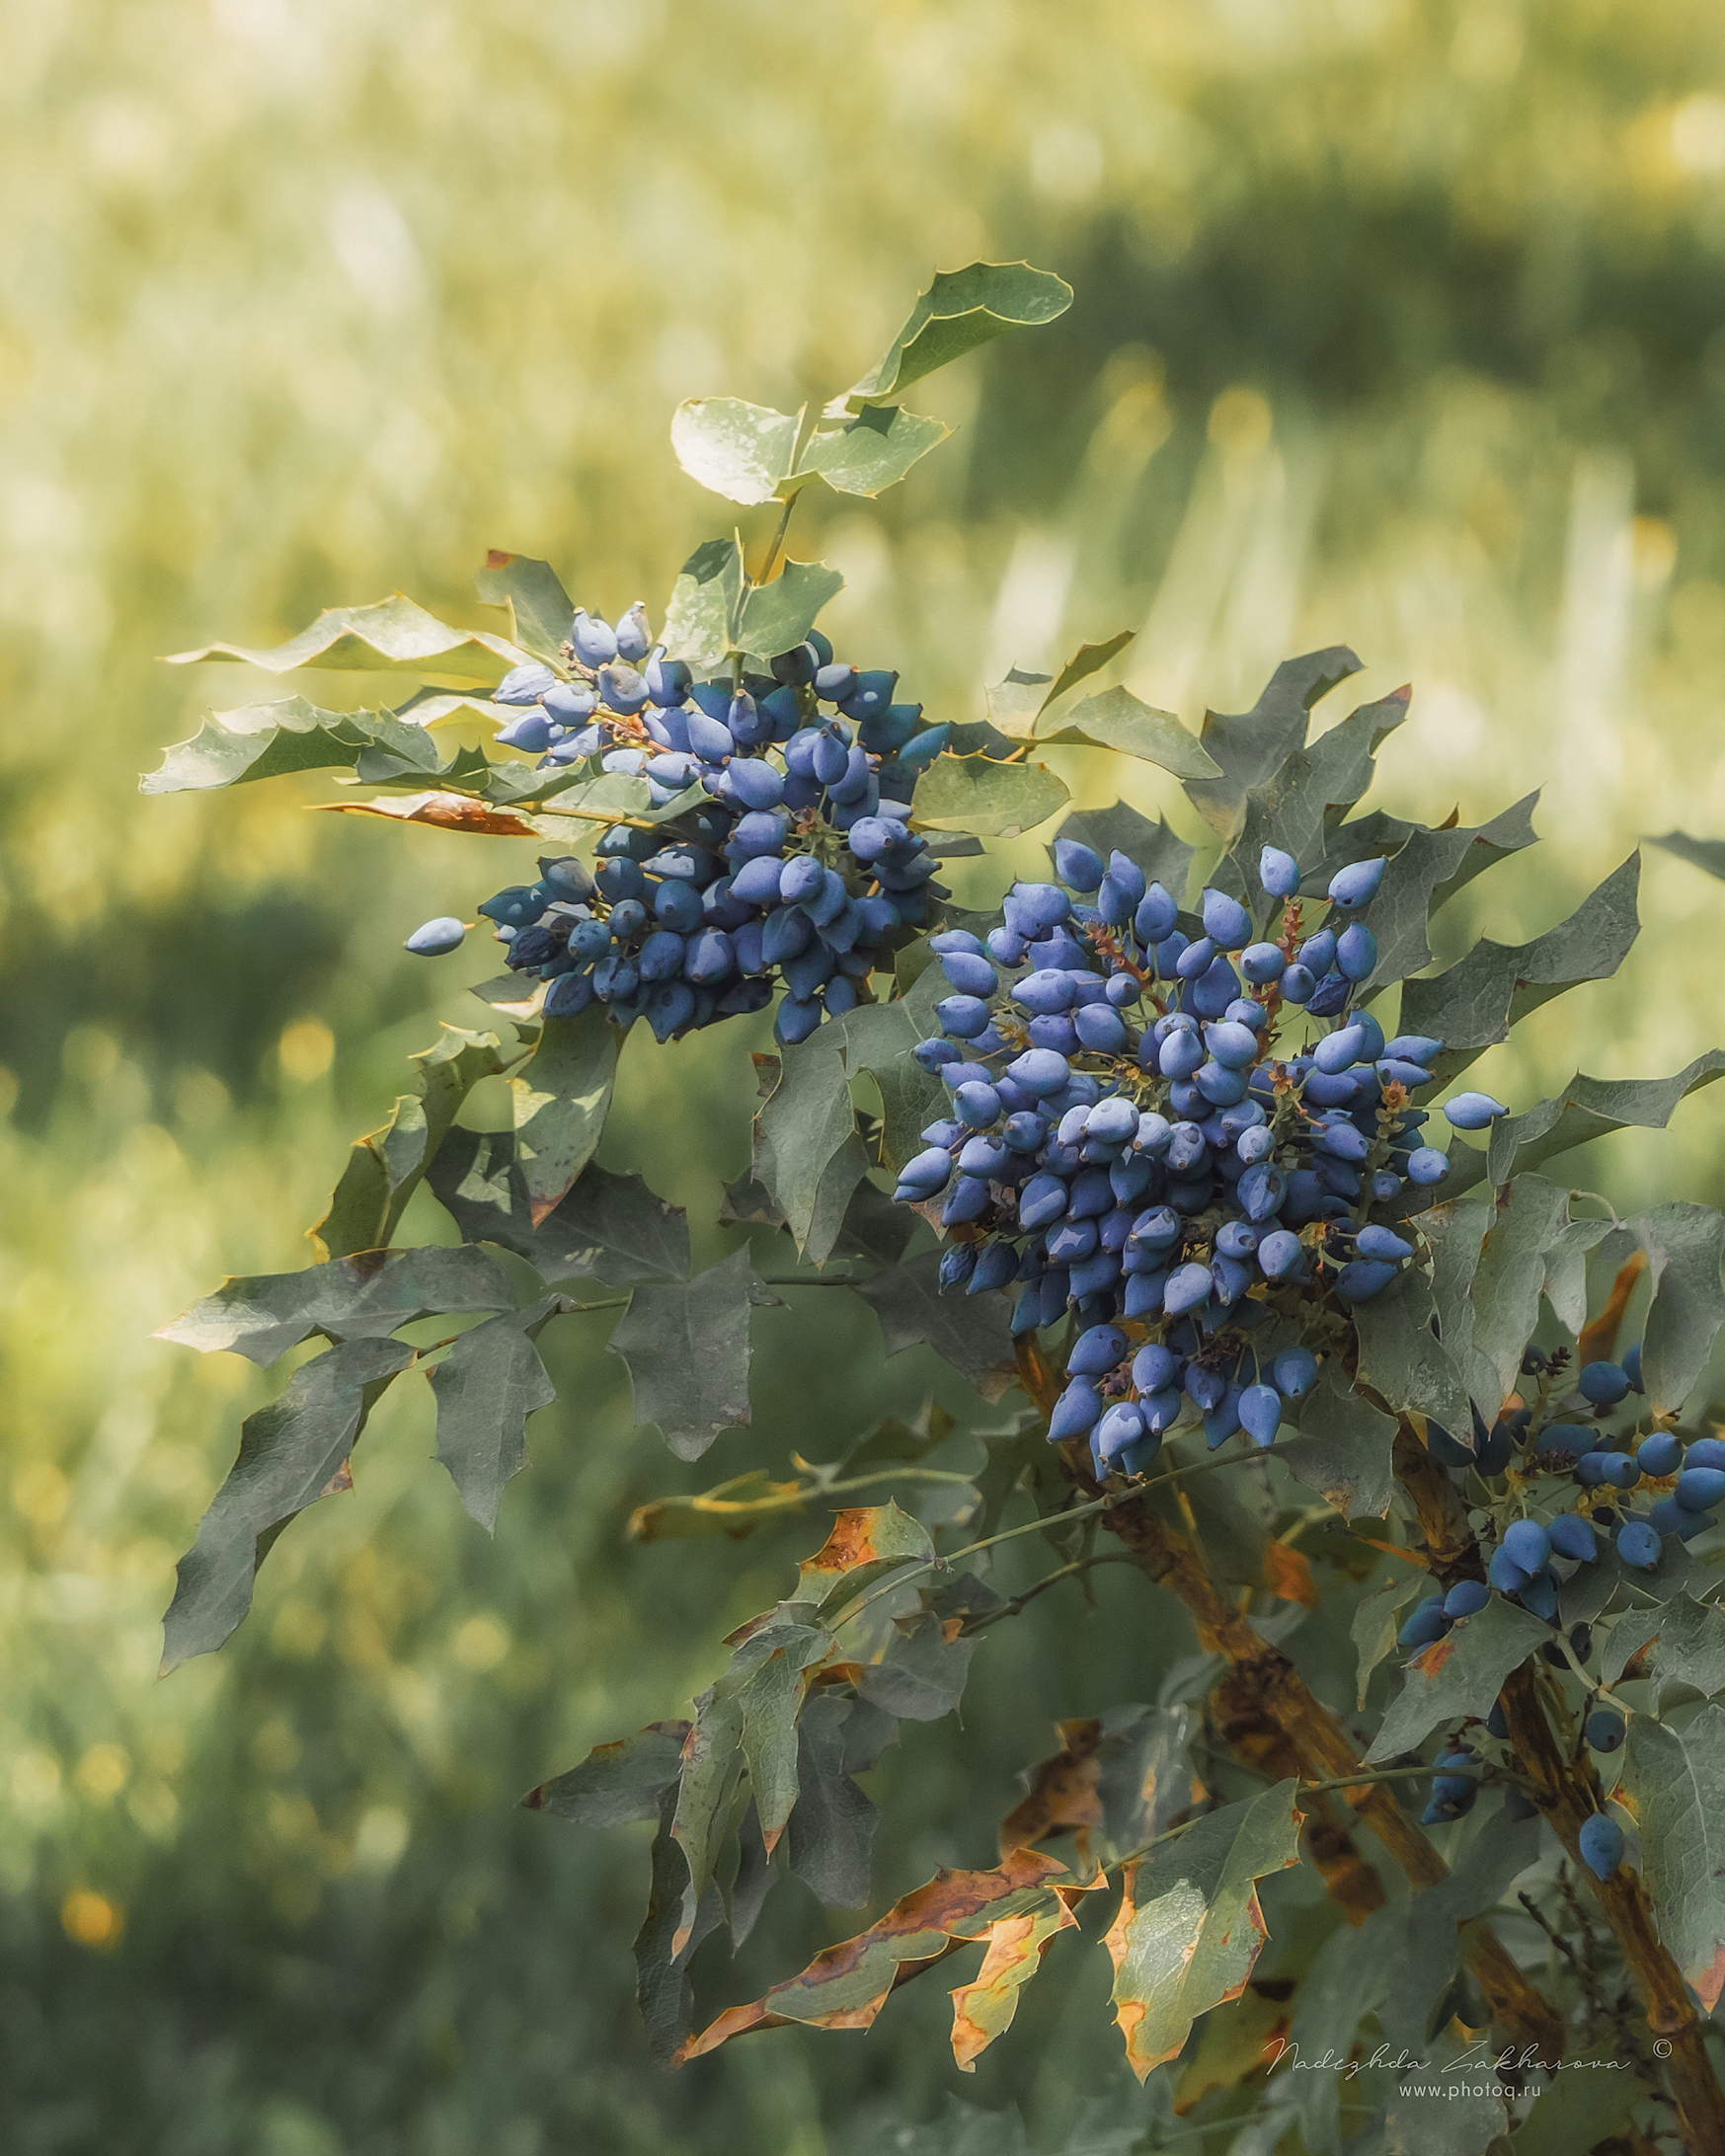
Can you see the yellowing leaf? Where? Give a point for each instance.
(983, 2009)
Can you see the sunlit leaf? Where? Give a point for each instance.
(982, 2008)
(706, 601)
(1189, 1929)
(777, 616)
(541, 613)
(962, 309)
(872, 451)
(443, 812)
(391, 636)
(995, 800)
(272, 740)
(1120, 720)
(291, 1453)
(739, 450)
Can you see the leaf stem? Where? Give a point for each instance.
(779, 539)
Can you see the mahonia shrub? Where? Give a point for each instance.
(1192, 1181)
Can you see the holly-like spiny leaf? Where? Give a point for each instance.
(1157, 848)
(616, 1783)
(777, 616)
(960, 310)
(977, 794)
(1424, 871)
(919, 1674)
(871, 451)
(1676, 1779)
(1685, 1246)
(485, 1387)
(1118, 719)
(845, 1986)
(1403, 1362)
(272, 740)
(562, 1095)
(866, 1542)
(292, 1452)
(1699, 853)
(832, 1832)
(1189, 1929)
(1691, 1647)
(806, 1125)
(982, 2008)
(1119, 1781)
(742, 451)
(686, 1345)
(1508, 1280)
(1474, 1003)
(705, 604)
(1460, 1675)
(1249, 746)
(969, 1332)
(385, 1167)
(391, 636)
(1342, 1449)
(1585, 1109)
(609, 1227)
(346, 1299)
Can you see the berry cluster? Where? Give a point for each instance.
(1128, 1139)
(792, 857)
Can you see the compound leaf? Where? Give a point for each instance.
(1189, 1929)
(541, 612)
(485, 1387)
(562, 1094)
(685, 1343)
(1676, 1778)
(962, 309)
(740, 450)
(292, 1452)
(391, 636)
(349, 1298)
(385, 1167)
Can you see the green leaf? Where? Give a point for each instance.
(685, 1343)
(272, 740)
(1589, 1108)
(608, 1227)
(876, 1040)
(1566, 1270)
(740, 450)
(618, 1783)
(349, 1298)
(541, 612)
(1401, 1360)
(993, 800)
(291, 1453)
(1460, 1675)
(1118, 719)
(1676, 1779)
(1455, 1235)
(777, 616)
(831, 1834)
(1143, 1776)
(1375, 1622)
(768, 1677)
(1343, 1449)
(804, 1124)
(1250, 746)
(969, 1332)
(1683, 1245)
(712, 1773)
(962, 309)
(1473, 1005)
(562, 1095)
(1013, 704)
(1087, 659)
(485, 1387)
(1510, 1279)
(1428, 869)
(867, 1542)
(1426, 1965)
(1347, 1977)
(1294, 806)
(391, 636)
(706, 601)
(1189, 1929)
(1700, 853)
(921, 1675)
(386, 1169)
(872, 451)
(664, 1946)
(1587, 2106)
(1157, 848)
(1690, 1650)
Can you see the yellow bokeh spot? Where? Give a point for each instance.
(306, 1048)
(92, 1919)
(102, 1771)
(35, 1780)
(1239, 422)
(481, 1644)
(1697, 134)
(40, 1491)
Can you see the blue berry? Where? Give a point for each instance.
(1600, 1842)
(1357, 885)
(435, 938)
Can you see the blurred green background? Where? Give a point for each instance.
(1400, 323)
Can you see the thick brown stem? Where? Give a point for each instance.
(1263, 1675)
(1568, 1793)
